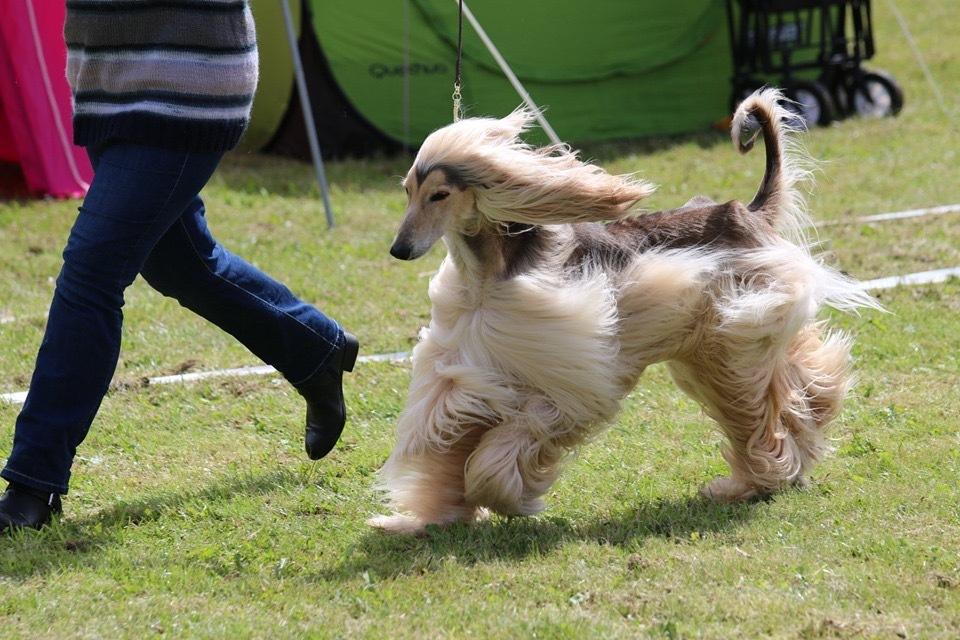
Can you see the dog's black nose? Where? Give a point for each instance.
(401, 251)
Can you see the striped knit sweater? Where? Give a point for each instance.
(179, 74)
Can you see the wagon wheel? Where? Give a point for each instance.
(838, 84)
(811, 102)
(876, 94)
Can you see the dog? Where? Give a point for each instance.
(555, 295)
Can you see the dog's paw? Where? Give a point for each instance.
(400, 524)
(729, 490)
(405, 524)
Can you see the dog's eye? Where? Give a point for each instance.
(439, 195)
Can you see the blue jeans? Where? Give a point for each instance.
(143, 215)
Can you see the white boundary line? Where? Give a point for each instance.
(878, 284)
(14, 398)
(262, 370)
(13, 319)
(922, 277)
(895, 215)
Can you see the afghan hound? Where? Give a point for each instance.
(555, 296)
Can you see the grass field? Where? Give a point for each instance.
(194, 513)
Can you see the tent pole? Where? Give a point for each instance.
(307, 109)
(507, 71)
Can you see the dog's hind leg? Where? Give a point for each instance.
(772, 405)
(747, 403)
(819, 376)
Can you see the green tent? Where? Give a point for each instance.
(603, 69)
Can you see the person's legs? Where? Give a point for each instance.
(136, 194)
(189, 265)
(306, 346)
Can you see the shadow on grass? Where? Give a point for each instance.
(496, 539)
(77, 542)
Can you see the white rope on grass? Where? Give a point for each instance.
(915, 48)
(19, 397)
(911, 279)
(261, 370)
(26, 318)
(239, 372)
(894, 215)
(923, 277)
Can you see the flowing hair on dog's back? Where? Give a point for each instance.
(515, 182)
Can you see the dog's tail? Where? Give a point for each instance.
(779, 199)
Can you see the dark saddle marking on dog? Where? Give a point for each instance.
(717, 225)
(517, 248)
(700, 222)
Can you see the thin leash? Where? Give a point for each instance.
(502, 63)
(457, 97)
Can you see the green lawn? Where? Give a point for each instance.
(194, 513)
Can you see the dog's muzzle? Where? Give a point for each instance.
(402, 251)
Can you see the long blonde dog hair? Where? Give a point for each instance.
(521, 183)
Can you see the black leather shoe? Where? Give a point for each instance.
(25, 508)
(326, 410)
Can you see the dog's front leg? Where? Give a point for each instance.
(427, 487)
(515, 464)
(450, 406)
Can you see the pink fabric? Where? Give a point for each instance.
(8, 152)
(35, 99)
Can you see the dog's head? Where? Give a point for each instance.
(438, 202)
(478, 173)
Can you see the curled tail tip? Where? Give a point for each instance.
(763, 105)
(767, 100)
(745, 134)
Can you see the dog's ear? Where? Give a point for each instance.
(550, 185)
